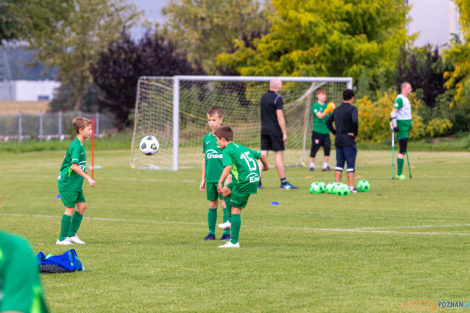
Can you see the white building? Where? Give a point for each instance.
(434, 20)
(27, 90)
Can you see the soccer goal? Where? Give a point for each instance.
(173, 109)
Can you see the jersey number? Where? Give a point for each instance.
(246, 156)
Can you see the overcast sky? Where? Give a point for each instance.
(152, 10)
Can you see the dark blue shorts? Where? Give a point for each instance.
(346, 154)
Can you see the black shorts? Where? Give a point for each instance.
(272, 143)
(403, 143)
(320, 140)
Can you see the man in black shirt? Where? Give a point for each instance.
(273, 129)
(346, 121)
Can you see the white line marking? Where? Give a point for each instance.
(364, 230)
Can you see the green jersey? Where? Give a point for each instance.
(319, 124)
(244, 166)
(402, 104)
(69, 180)
(20, 288)
(213, 158)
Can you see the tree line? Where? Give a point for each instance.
(98, 61)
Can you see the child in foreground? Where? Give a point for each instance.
(240, 161)
(70, 181)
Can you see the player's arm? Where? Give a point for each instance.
(393, 115)
(80, 172)
(202, 186)
(329, 124)
(282, 123)
(264, 161)
(329, 108)
(223, 176)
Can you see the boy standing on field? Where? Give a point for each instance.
(72, 173)
(320, 133)
(211, 171)
(241, 162)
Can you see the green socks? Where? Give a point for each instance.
(65, 226)
(227, 213)
(76, 221)
(400, 163)
(236, 224)
(212, 220)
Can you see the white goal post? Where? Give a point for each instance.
(173, 109)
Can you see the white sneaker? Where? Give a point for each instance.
(65, 242)
(229, 244)
(225, 225)
(352, 189)
(76, 239)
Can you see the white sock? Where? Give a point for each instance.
(325, 165)
(312, 165)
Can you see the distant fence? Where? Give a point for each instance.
(47, 126)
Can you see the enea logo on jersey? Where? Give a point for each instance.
(253, 177)
(212, 154)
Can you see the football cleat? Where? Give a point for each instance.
(76, 239)
(65, 242)
(288, 186)
(229, 244)
(352, 189)
(225, 225)
(225, 237)
(401, 177)
(209, 237)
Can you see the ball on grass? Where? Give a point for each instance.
(317, 187)
(363, 185)
(343, 190)
(331, 188)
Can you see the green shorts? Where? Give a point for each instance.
(70, 198)
(238, 199)
(211, 192)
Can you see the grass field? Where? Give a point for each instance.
(368, 252)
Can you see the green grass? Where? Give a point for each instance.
(145, 253)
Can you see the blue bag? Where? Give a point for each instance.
(67, 262)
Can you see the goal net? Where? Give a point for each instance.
(173, 109)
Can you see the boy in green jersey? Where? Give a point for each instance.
(320, 133)
(70, 181)
(401, 121)
(211, 171)
(241, 162)
(20, 287)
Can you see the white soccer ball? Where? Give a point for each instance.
(149, 145)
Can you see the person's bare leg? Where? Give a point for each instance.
(279, 157)
(338, 176)
(350, 179)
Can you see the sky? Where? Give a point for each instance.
(152, 10)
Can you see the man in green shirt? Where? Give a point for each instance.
(211, 171)
(320, 133)
(20, 287)
(241, 162)
(70, 181)
(401, 122)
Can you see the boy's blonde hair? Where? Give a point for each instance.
(215, 110)
(80, 123)
(321, 90)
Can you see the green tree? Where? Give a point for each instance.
(70, 34)
(327, 38)
(8, 23)
(207, 28)
(459, 55)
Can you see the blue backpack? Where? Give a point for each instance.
(67, 262)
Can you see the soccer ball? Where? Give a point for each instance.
(317, 187)
(331, 188)
(363, 185)
(149, 145)
(342, 190)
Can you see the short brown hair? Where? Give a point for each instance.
(321, 90)
(224, 132)
(80, 123)
(215, 110)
